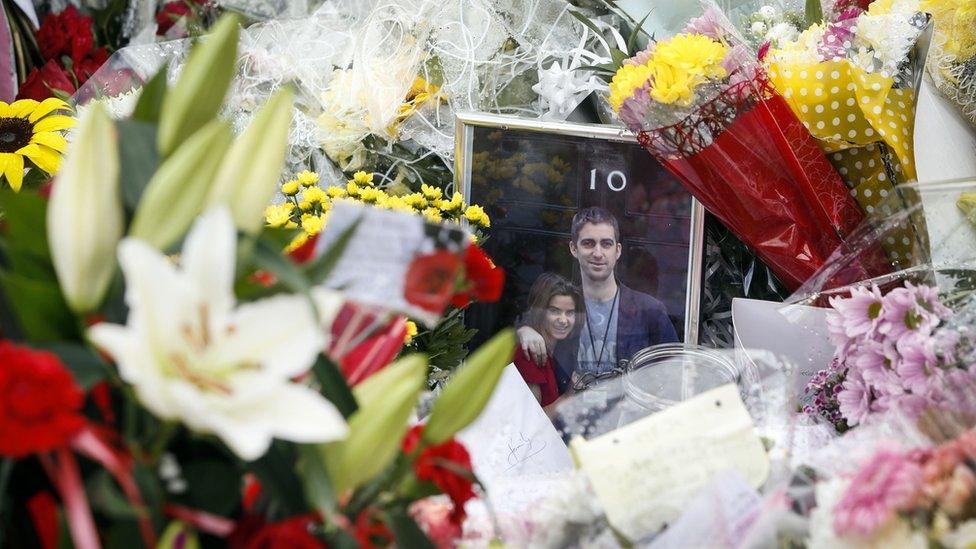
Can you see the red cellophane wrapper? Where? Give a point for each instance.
(747, 158)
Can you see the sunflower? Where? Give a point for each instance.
(32, 130)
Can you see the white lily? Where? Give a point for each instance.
(192, 355)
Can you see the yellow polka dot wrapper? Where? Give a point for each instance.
(865, 125)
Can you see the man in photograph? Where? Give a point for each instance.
(618, 321)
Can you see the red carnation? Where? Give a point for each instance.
(87, 66)
(294, 533)
(484, 279)
(430, 280)
(66, 33)
(441, 464)
(40, 84)
(39, 402)
(370, 532)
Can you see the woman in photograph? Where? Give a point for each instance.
(555, 311)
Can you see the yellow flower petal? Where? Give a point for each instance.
(54, 123)
(13, 170)
(43, 157)
(20, 109)
(46, 107)
(5, 110)
(51, 139)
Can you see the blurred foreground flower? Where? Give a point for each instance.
(195, 357)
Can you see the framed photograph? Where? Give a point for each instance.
(635, 225)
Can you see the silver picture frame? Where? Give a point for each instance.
(465, 124)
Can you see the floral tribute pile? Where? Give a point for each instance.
(164, 380)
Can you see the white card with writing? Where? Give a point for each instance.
(514, 443)
(395, 260)
(646, 472)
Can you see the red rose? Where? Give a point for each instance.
(294, 533)
(371, 533)
(440, 464)
(430, 280)
(484, 279)
(40, 83)
(39, 402)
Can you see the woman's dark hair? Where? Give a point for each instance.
(545, 287)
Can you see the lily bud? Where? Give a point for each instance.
(248, 177)
(177, 191)
(386, 400)
(198, 94)
(85, 220)
(467, 392)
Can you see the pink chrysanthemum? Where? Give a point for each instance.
(918, 367)
(854, 399)
(888, 482)
(862, 312)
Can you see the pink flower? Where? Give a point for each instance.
(642, 56)
(888, 482)
(633, 111)
(854, 399)
(710, 24)
(918, 367)
(862, 312)
(906, 310)
(928, 298)
(872, 359)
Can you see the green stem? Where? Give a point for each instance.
(163, 437)
(5, 469)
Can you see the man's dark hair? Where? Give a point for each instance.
(594, 214)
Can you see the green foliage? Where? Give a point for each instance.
(445, 344)
(138, 160)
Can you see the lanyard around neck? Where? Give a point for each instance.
(606, 332)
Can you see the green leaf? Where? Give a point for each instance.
(276, 470)
(406, 531)
(268, 256)
(469, 389)
(618, 57)
(24, 216)
(85, 365)
(107, 498)
(317, 271)
(333, 386)
(632, 39)
(39, 307)
(318, 488)
(586, 21)
(813, 12)
(150, 102)
(138, 159)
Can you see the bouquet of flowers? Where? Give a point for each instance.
(894, 351)
(716, 122)
(902, 498)
(167, 374)
(853, 82)
(952, 57)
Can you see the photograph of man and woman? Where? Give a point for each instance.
(572, 335)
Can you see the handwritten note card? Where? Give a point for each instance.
(514, 447)
(645, 472)
(375, 268)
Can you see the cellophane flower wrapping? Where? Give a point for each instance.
(854, 83)
(952, 55)
(747, 159)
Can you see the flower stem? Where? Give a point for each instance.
(163, 436)
(5, 468)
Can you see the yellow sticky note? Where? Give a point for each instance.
(645, 472)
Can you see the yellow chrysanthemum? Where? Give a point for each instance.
(31, 130)
(430, 192)
(416, 200)
(627, 79)
(336, 192)
(289, 188)
(307, 178)
(314, 195)
(433, 214)
(477, 215)
(312, 224)
(370, 195)
(278, 215)
(353, 190)
(362, 178)
(673, 85)
(455, 204)
(411, 331)
(696, 54)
